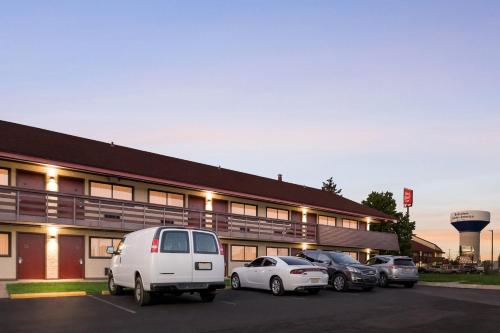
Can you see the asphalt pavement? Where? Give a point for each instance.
(429, 309)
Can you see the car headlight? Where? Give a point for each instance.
(353, 269)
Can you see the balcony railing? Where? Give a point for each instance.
(345, 237)
(32, 206)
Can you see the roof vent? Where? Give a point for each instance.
(280, 177)
(112, 144)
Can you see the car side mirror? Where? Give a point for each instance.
(110, 250)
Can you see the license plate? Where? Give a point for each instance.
(315, 280)
(408, 270)
(203, 266)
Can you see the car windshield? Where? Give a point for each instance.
(341, 258)
(293, 261)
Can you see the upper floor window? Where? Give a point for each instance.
(4, 177)
(351, 224)
(327, 220)
(113, 191)
(165, 198)
(243, 209)
(354, 255)
(280, 214)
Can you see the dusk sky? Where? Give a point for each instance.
(381, 95)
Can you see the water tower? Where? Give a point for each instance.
(469, 224)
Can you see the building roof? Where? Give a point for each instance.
(26, 142)
(422, 245)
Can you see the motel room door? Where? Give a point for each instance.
(71, 257)
(32, 204)
(221, 206)
(67, 207)
(194, 218)
(30, 256)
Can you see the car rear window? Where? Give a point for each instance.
(204, 243)
(174, 242)
(293, 261)
(403, 262)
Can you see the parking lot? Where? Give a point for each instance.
(388, 310)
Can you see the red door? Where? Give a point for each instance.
(71, 256)
(196, 219)
(69, 207)
(311, 225)
(31, 203)
(226, 256)
(221, 206)
(30, 256)
(297, 220)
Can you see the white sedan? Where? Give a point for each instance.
(280, 274)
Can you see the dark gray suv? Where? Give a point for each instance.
(344, 271)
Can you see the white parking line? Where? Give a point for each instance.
(226, 302)
(112, 304)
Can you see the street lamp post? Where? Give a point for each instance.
(492, 249)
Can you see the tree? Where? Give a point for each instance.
(385, 203)
(330, 186)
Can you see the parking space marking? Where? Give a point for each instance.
(112, 304)
(226, 302)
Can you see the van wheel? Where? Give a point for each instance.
(141, 296)
(235, 281)
(207, 296)
(383, 281)
(113, 288)
(277, 286)
(339, 283)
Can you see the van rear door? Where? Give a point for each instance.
(173, 262)
(208, 262)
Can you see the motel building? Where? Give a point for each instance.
(64, 199)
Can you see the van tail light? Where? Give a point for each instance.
(154, 245)
(221, 249)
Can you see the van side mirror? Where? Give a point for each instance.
(110, 250)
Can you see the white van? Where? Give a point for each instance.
(167, 260)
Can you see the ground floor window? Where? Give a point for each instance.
(351, 224)
(352, 254)
(277, 251)
(4, 244)
(243, 252)
(98, 246)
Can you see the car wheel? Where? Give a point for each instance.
(313, 291)
(235, 281)
(113, 288)
(409, 285)
(277, 286)
(383, 281)
(207, 296)
(339, 283)
(367, 288)
(141, 296)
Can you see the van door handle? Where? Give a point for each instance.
(20, 260)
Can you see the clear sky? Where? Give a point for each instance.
(380, 95)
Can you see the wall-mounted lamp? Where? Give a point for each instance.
(304, 215)
(208, 200)
(52, 231)
(52, 184)
(304, 246)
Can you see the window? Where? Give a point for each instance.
(354, 255)
(323, 258)
(274, 213)
(166, 198)
(174, 242)
(327, 220)
(269, 262)
(204, 243)
(98, 246)
(4, 177)
(104, 190)
(277, 251)
(243, 253)
(351, 224)
(256, 263)
(243, 209)
(5, 244)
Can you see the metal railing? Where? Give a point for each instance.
(33, 206)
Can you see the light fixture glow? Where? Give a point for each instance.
(51, 172)
(52, 231)
(208, 200)
(52, 184)
(304, 246)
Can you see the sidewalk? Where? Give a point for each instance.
(459, 285)
(3, 290)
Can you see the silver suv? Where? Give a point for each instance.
(395, 269)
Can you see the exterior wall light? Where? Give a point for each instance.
(208, 201)
(52, 184)
(52, 231)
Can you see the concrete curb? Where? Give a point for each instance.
(105, 292)
(459, 285)
(48, 295)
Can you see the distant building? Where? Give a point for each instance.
(425, 253)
